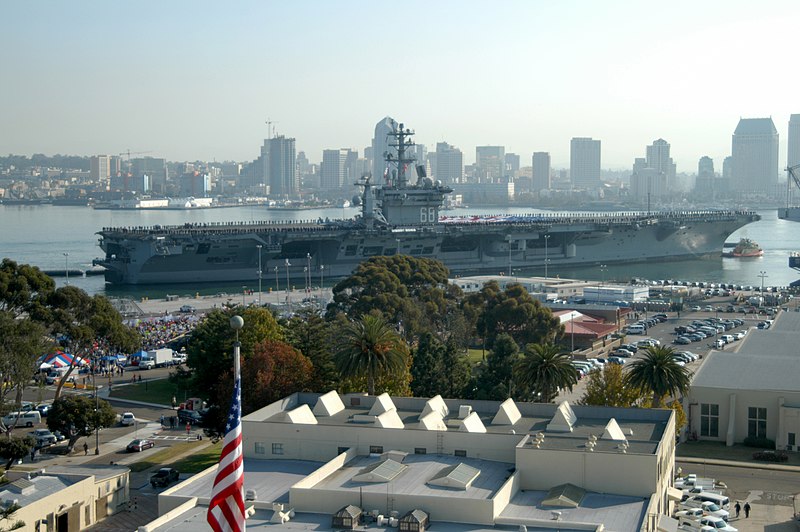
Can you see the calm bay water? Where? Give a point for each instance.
(41, 234)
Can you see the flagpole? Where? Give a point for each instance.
(236, 323)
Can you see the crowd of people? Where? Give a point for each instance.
(158, 332)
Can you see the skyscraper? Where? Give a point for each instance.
(754, 149)
(280, 159)
(380, 147)
(659, 160)
(155, 169)
(449, 164)
(793, 148)
(100, 170)
(333, 170)
(584, 163)
(541, 171)
(705, 167)
(512, 164)
(491, 162)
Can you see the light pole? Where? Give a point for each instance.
(321, 279)
(66, 266)
(96, 410)
(308, 274)
(258, 246)
(277, 284)
(762, 274)
(546, 259)
(305, 279)
(287, 281)
(244, 291)
(509, 256)
(397, 240)
(603, 270)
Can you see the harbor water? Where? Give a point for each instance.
(56, 237)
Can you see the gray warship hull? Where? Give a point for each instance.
(326, 251)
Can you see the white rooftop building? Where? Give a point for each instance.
(464, 465)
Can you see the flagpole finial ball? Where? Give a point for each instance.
(237, 322)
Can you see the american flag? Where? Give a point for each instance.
(226, 509)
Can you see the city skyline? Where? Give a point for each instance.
(198, 81)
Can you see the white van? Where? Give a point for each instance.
(634, 329)
(26, 419)
(720, 500)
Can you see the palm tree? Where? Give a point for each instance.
(370, 346)
(544, 369)
(658, 373)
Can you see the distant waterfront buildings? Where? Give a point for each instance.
(279, 161)
(155, 169)
(195, 185)
(707, 184)
(754, 148)
(541, 171)
(100, 170)
(449, 167)
(512, 164)
(333, 171)
(653, 175)
(658, 158)
(584, 163)
(380, 147)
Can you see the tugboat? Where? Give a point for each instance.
(746, 248)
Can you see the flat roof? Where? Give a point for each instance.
(647, 425)
(766, 360)
(194, 519)
(43, 486)
(615, 512)
(270, 478)
(421, 468)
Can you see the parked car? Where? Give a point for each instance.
(43, 437)
(127, 419)
(164, 477)
(44, 409)
(622, 353)
(633, 348)
(59, 436)
(717, 523)
(140, 445)
(682, 340)
(616, 360)
(187, 309)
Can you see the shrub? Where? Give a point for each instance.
(771, 456)
(760, 443)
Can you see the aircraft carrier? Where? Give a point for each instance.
(399, 217)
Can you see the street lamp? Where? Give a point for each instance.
(287, 281)
(308, 273)
(277, 284)
(66, 266)
(244, 291)
(509, 256)
(321, 279)
(397, 240)
(762, 274)
(546, 260)
(258, 246)
(603, 270)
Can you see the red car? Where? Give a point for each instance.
(140, 445)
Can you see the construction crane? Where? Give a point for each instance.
(129, 153)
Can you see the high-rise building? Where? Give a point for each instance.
(584, 163)
(490, 162)
(727, 168)
(449, 164)
(155, 169)
(380, 147)
(541, 171)
(512, 164)
(333, 170)
(280, 161)
(705, 167)
(659, 160)
(100, 170)
(793, 148)
(195, 184)
(754, 149)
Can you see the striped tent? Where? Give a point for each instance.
(59, 359)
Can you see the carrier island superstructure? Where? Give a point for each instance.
(399, 217)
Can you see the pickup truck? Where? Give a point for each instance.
(163, 477)
(691, 481)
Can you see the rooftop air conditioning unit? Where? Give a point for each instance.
(250, 495)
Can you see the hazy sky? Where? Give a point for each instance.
(193, 80)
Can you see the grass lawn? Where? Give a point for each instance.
(162, 456)
(719, 451)
(475, 356)
(159, 391)
(200, 460)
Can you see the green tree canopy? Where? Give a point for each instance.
(22, 342)
(313, 336)
(210, 348)
(273, 371)
(75, 417)
(438, 368)
(369, 347)
(84, 324)
(20, 285)
(544, 370)
(658, 373)
(407, 290)
(607, 388)
(13, 448)
(514, 312)
(495, 380)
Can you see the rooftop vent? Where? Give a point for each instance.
(328, 404)
(472, 423)
(507, 413)
(464, 411)
(563, 420)
(432, 421)
(301, 415)
(383, 403)
(459, 476)
(389, 420)
(564, 496)
(381, 471)
(613, 431)
(435, 404)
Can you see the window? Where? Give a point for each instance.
(791, 437)
(460, 452)
(375, 449)
(756, 422)
(260, 448)
(277, 448)
(420, 450)
(355, 401)
(709, 420)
